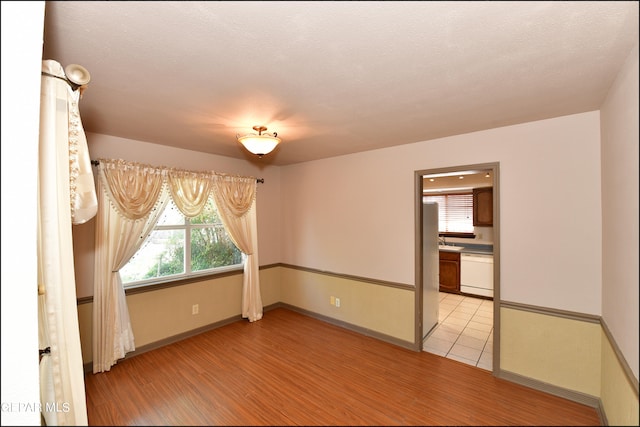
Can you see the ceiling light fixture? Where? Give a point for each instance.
(260, 144)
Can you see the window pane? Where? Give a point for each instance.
(162, 255)
(211, 247)
(179, 246)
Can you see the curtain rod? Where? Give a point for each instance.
(96, 163)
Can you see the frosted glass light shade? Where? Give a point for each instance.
(260, 144)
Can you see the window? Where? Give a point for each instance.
(455, 212)
(179, 247)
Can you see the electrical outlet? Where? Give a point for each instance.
(195, 309)
(337, 302)
(332, 300)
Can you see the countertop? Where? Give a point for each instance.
(468, 248)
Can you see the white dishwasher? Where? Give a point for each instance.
(476, 274)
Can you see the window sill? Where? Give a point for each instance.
(170, 283)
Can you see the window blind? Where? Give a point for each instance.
(455, 212)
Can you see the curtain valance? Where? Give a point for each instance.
(235, 194)
(134, 188)
(189, 191)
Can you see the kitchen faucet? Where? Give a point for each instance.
(441, 239)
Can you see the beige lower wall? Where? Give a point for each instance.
(571, 354)
(619, 398)
(167, 312)
(164, 313)
(384, 309)
(567, 353)
(551, 349)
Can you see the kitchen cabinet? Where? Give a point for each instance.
(450, 272)
(483, 207)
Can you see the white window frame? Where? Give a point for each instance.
(186, 227)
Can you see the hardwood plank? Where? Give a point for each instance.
(291, 369)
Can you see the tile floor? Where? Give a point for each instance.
(464, 331)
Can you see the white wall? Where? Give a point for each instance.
(267, 198)
(619, 116)
(21, 65)
(354, 214)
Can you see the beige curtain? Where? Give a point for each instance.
(131, 197)
(235, 198)
(189, 191)
(66, 196)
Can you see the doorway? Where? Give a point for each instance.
(480, 238)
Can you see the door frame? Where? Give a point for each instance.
(494, 167)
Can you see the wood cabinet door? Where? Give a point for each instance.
(449, 272)
(483, 207)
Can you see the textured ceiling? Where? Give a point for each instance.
(334, 78)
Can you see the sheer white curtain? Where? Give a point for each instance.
(131, 199)
(235, 198)
(66, 196)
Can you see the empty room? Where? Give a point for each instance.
(320, 213)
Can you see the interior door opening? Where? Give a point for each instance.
(468, 321)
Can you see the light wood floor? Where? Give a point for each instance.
(291, 369)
